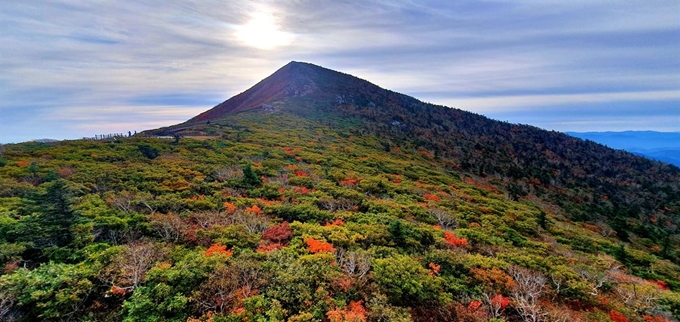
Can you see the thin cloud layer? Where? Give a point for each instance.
(74, 68)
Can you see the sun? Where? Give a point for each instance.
(263, 32)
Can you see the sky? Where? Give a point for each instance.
(72, 69)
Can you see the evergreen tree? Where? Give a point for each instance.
(250, 179)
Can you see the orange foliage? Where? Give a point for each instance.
(229, 207)
(495, 278)
(616, 316)
(451, 239)
(337, 222)
(351, 182)
(434, 269)
(238, 311)
(254, 210)
(118, 290)
(344, 284)
(22, 163)
(164, 265)
(431, 197)
(217, 249)
(354, 312)
(207, 317)
(318, 246)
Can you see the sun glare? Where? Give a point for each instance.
(263, 32)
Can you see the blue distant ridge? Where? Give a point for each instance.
(661, 146)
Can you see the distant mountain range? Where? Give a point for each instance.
(661, 146)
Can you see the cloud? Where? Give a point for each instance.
(86, 59)
(524, 102)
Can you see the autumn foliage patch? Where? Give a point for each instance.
(616, 316)
(217, 249)
(278, 233)
(452, 240)
(431, 197)
(354, 312)
(318, 246)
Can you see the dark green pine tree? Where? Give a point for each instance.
(55, 215)
(250, 179)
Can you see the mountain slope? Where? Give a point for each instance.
(339, 202)
(524, 160)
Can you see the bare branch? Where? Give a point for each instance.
(445, 220)
(529, 287)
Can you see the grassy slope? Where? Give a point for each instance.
(384, 204)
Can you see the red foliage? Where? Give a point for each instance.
(299, 173)
(434, 269)
(354, 312)
(301, 190)
(474, 305)
(616, 316)
(431, 197)
(318, 246)
(661, 284)
(451, 239)
(217, 249)
(266, 248)
(278, 233)
(649, 318)
(500, 301)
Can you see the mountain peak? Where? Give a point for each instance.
(293, 79)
